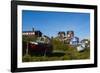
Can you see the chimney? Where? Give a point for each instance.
(33, 29)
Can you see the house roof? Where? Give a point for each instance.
(75, 39)
(32, 31)
(61, 32)
(27, 31)
(70, 32)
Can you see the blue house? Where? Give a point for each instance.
(74, 41)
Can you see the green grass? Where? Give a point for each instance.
(65, 52)
(67, 55)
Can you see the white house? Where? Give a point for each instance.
(81, 47)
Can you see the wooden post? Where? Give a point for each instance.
(27, 49)
(45, 52)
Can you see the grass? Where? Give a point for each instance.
(61, 51)
(67, 55)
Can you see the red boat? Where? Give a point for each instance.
(39, 48)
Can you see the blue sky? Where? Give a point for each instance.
(50, 23)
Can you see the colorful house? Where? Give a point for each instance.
(74, 41)
(32, 33)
